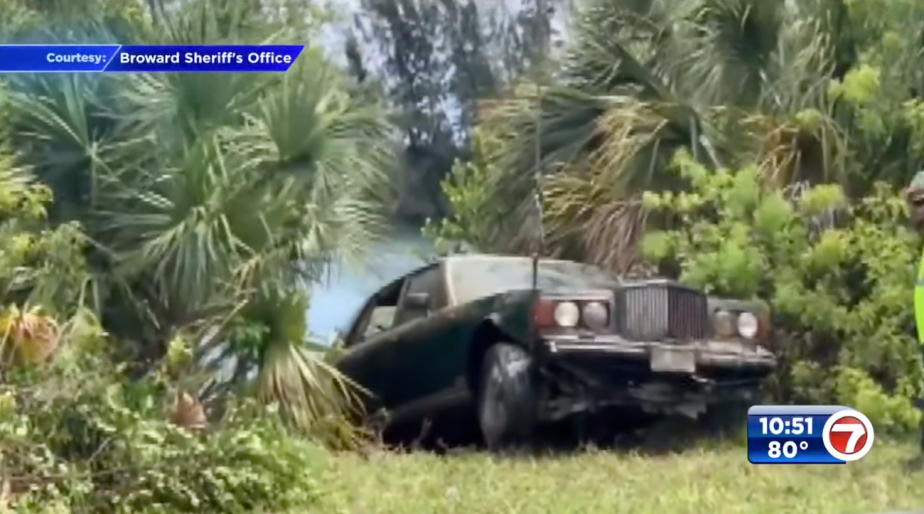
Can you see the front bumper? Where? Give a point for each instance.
(688, 355)
(659, 377)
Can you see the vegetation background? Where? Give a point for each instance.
(161, 231)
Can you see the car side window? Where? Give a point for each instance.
(377, 316)
(381, 319)
(427, 282)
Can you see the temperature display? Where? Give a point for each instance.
(807, 434)
(788, 450)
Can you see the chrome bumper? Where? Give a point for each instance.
(692, 354)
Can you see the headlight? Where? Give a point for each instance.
(567, 314)
(595, 315)
(748, 325)
(725, 324)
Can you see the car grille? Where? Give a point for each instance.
(661, 311)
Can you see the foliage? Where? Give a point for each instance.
(211, 200)
(838, 276)
(90, 442)
(76, 435)
(296, 374)
(39, 265)
(416, 42)
(818, 91)
(878, 95)
(436, 62)
(27, 336)
(42, 270)
(467, 190)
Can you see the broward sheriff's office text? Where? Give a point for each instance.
(185, 57)
(195, 57)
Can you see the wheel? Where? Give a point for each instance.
(506, 397)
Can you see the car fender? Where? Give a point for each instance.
(509, 320)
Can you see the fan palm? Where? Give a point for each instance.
(206, 195)
(729, 80)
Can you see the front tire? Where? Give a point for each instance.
(506, 397)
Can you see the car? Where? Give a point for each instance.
(518, 344)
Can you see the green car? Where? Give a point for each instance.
(470, 334)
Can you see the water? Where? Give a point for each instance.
(336, 299)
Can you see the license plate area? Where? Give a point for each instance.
(673, 360)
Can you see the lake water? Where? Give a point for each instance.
(335, 300)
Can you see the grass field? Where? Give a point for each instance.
(715, 481)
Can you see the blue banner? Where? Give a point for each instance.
(149, 59)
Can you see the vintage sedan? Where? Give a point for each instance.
(472, 334)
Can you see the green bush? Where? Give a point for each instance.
(89, 442)
(467, 187)
(839, 276)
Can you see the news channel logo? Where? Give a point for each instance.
(808, 434)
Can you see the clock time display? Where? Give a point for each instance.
(787, 426)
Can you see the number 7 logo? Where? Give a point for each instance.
(848, 435)
(856, 431)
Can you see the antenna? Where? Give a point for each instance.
(538, 238)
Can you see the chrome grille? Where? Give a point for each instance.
(662, 311)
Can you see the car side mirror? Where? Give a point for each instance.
(417, 300)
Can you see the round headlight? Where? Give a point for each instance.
(748, 325)
(595, 315)
(567, 314)
(725, 324)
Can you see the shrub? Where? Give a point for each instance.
(839, 277)
(87, 441)
(467, 187)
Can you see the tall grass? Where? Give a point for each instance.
(715, 480)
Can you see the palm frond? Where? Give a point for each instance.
(203, 194)
(731, 48)
(728, 80)
(267, 350)
(808, 147)
(586, 220)
(313, 394)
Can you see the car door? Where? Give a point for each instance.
(422, 331)
(370, 359)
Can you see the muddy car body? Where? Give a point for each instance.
(471, 333)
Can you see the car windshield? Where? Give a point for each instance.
(481, 277)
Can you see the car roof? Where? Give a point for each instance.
(526, 261)
(508, 271)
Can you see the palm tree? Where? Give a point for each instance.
(212, 199)
(729, 80)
